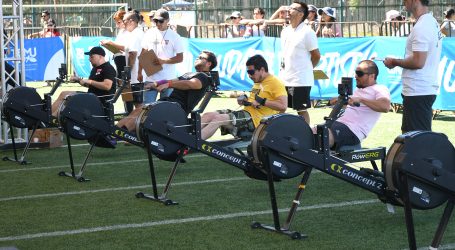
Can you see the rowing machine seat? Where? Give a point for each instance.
(162, 117)
(411, 150)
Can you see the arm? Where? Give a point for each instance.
(132, 58)
(276, 14)
(193, 83)
(379, 105)
(106, 84)
(415, 61)
(280, 104)
(315, 57)
(113, 44)
(178, 58)
(444, 29)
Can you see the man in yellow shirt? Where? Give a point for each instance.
(268, 97)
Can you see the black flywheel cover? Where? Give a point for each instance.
(296, 136)
(169, 117)
(77, 111)
(20, 106)
(416, 149)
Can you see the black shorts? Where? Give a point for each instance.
(343, 136)
(299, 97)
(240, 120)
(417, 112)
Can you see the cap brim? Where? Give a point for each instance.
(87, 53)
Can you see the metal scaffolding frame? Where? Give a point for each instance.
(12, 47)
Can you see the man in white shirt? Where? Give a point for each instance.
(420, 68)
(300, 55)
(168, 47)
(133, 46)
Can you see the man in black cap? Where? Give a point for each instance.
(100, 82)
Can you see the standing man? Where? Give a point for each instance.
(268, 97)
(100, 82)
(46, 18)
(300, 55)
(168, 47)
(133, 48)
(420, 68)
(128, 39)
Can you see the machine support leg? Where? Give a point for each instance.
(443, 224)
(276, 217)
(172, 174)
(408, 212)
(154, 196)
(11, 129)
(27, 146)
(296, 201)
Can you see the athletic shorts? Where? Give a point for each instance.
(240, 120)
(299, 97)
(417, 112)
(343, 136)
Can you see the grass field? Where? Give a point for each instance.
(40, 210)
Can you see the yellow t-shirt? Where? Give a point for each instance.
(271, 88)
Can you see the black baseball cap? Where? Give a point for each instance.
(96, 51)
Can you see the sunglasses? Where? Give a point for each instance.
(360, 73)
(202, 58)
(292, 8)
(251, 72)
(232, 17)
(158, 21)
(43, 16)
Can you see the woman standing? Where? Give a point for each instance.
(448, 25)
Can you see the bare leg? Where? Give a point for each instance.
(305, 115)
(213, 124)
(129, 122)
(59, 101)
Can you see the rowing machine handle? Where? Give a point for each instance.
(126, 77)
(63, 73)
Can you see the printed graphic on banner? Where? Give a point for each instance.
(43, 57)
(232, 55)
(81, 62)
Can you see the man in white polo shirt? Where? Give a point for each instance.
(420, 68)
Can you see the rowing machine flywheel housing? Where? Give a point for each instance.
(288, 132)
(22, 107)
(80, 115)
(160, 118)
(429, 154)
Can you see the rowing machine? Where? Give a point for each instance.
(81, 117)
(189, 134)
(22, 107)
(413, 176)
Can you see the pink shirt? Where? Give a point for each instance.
(360, 120)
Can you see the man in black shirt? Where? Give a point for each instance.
(188, 88)
(100, 82)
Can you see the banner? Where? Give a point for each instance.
(79, 45)
(339, 58)
(43, 57)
